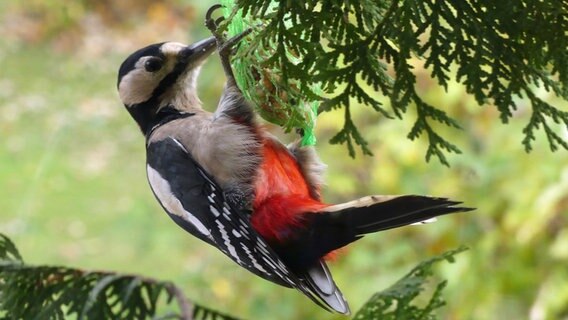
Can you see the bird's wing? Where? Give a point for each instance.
(197, 204)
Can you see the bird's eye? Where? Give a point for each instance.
(153, 64)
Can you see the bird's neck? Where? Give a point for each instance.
(144, 114)
(184, 100)
(182, 95)
(150, 115)
(167, 114)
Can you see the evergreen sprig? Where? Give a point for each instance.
(45, 292)
(398, 301)
(500, 50)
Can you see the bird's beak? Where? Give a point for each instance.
(198, 51)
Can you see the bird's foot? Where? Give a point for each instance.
(213, 24)
(224, 46)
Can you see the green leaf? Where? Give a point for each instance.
(500, 50)
(398, 302)
(59, 293)
(8, 252)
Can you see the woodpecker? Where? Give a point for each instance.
(225, 179)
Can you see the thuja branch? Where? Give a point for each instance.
(61, 292)
(500, 49)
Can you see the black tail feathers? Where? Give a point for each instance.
(341, 224)
(373, 214)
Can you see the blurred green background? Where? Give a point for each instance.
(74, 190)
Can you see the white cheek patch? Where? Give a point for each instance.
(163, 192)
(136, 87)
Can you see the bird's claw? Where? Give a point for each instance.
(224, 46)
(213, 24)
(211, 10)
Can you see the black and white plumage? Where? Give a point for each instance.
(197, 204)
(224, 179)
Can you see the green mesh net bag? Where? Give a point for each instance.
(275, 100)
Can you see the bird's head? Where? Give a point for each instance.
(159, 75)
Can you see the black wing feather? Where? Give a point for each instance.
(230, 230)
